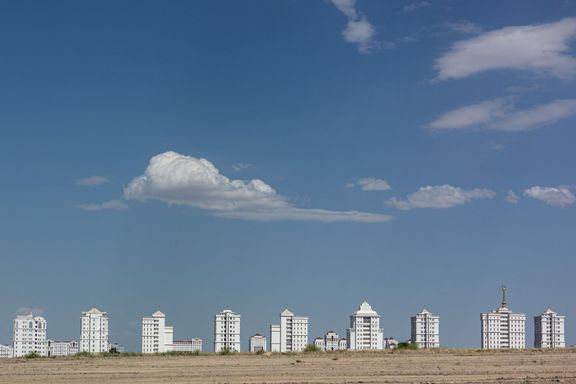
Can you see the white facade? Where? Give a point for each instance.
(293, 332)
(425, 330)
(62, 348)
(274, 338)
(390, 343)
(227, 331)
(94, 331)
(320, 343)
(342, 344)
(156, 336)
(6, 351)
(549, 330)
(332, 341)
(193, 345)
(502, 328)
(365, 331)
(29, 335)
(257, 343)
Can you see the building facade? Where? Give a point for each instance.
(227, 331)
(192, 345)
(425, 330)
(94, 331)
(365, 331)
(291, 335)
(257, 343)
(6, 351)
(320, 343)
(331, 341)
(29, 335)
(156, 336)
(503, 328)
(549, 330)
(274, 338)
(62, 348)
(390, 343)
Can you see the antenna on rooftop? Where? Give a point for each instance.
(504, 305)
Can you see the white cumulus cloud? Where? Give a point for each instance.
(179, 179)
(555, 196)
(440, 196)
(358, 29)
(541, 49)
(92, 181)
(107, 205)
(370, 184)
(512, 198)
(501, 114)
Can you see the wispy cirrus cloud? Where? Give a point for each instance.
(465, 27)
(358, 29)
(370, 184)
(107, 205)
(416, 5)
(542, 49)
(554, 196)
(185, 180)
(92, 181)
(440, 196)
(501, 114)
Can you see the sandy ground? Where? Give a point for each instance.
(529, 366)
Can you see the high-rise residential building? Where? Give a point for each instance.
(157, 337)
(94, 331)
(6, 351)
(192, 345)
(291, 335)
(274, 338)
(425, 330)
(257, 343)
(503, 328)
(29, 335)
(62, 348)
(227, 331)
(365, 331)
(549, 330)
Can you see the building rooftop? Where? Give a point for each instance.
(365, 310)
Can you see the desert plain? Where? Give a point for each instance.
(442, 366)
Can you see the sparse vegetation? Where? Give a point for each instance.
(33, 355)
(311, 348)
(406, 346)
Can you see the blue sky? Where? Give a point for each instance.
(192, 156)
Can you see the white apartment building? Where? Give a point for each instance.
(29, 335)
(274, 338)
(257, 343)
(94, 331)
(6, 351)
(425, 330)
(365, 331)
(320, 343)
(342, 344)
(390, 343)
(192, 345)
(332, 341)
(503, 328)
(227, 331)
(157, 337)
(291, 335)
(62, 348)
(549, 330)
